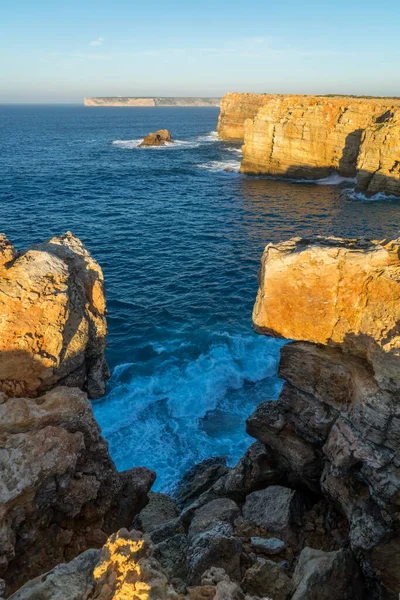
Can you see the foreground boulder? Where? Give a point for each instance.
(159, 138)
(60, 492)
(53, 325)
(336, 426)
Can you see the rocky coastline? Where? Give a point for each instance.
(312, 137)
(310, 511)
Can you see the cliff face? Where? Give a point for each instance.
(53, 326)
(235, 109)
(336, 425)
(378, 162)
(310, 137)
(60, 492)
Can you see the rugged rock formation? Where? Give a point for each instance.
(159, 138)
(52, 326)
(336, 426)
(235, 109)
(60, 492)
(378, 162)
(310, 137)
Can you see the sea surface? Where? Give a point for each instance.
(179, 239)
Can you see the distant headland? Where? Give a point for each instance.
(160, 101)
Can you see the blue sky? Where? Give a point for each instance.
(53, 51)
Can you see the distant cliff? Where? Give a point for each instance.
(160, 101)
(310, 137)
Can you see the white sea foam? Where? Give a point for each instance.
(335, 179)
(216, 166)
(235, 150)
(133, 144)
(165, 420)
(379, 197)
(212, 136)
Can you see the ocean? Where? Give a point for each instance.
(179, 239)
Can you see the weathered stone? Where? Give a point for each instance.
(267, 545)
(60, 492)
(348, 298)
(201, 592)
(327, 576)
(277, 509)
(378, 161)
(221, 510)
(215, 547)
(171, 554)
(340, 402)
(267, 578)
(53, 326)
(167, 530)
(199, 479)
(213, 576)
(69, 581)
(255, 470)
(161, 509)
(159, 138)
(235, 109)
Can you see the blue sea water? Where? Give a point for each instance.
(179, 239)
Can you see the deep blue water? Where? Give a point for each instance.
(179, 240)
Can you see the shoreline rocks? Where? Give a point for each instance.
(159, 138)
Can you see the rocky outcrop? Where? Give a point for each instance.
(378, 162)
(159, 138)
(310, 137)
(336, 426)
(60, 492)
(53, 325)
(235, 109)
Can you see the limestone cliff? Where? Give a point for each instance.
(235, 109)
(53, 325)
(60, 492)
(310, 137)
(336, 425)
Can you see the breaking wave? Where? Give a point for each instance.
(216, 166)
(188, 410)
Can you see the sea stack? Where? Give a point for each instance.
(159, 138)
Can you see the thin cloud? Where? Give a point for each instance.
(97, 42)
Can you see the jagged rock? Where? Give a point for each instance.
(277, 509)
(327, 576)
(221, 510)
(268, 545)
(159, 138)
(213, 576)
(53, 326)
(160, 510)
(199, 479)
(60, 492)
(255, 470)
(267, 578)
(171, 554)
(215, 547)
(340, 400)
(126, 569)
(201, 592)
(67, 581)
(167, 530)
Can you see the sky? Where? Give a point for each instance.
(61, 51)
